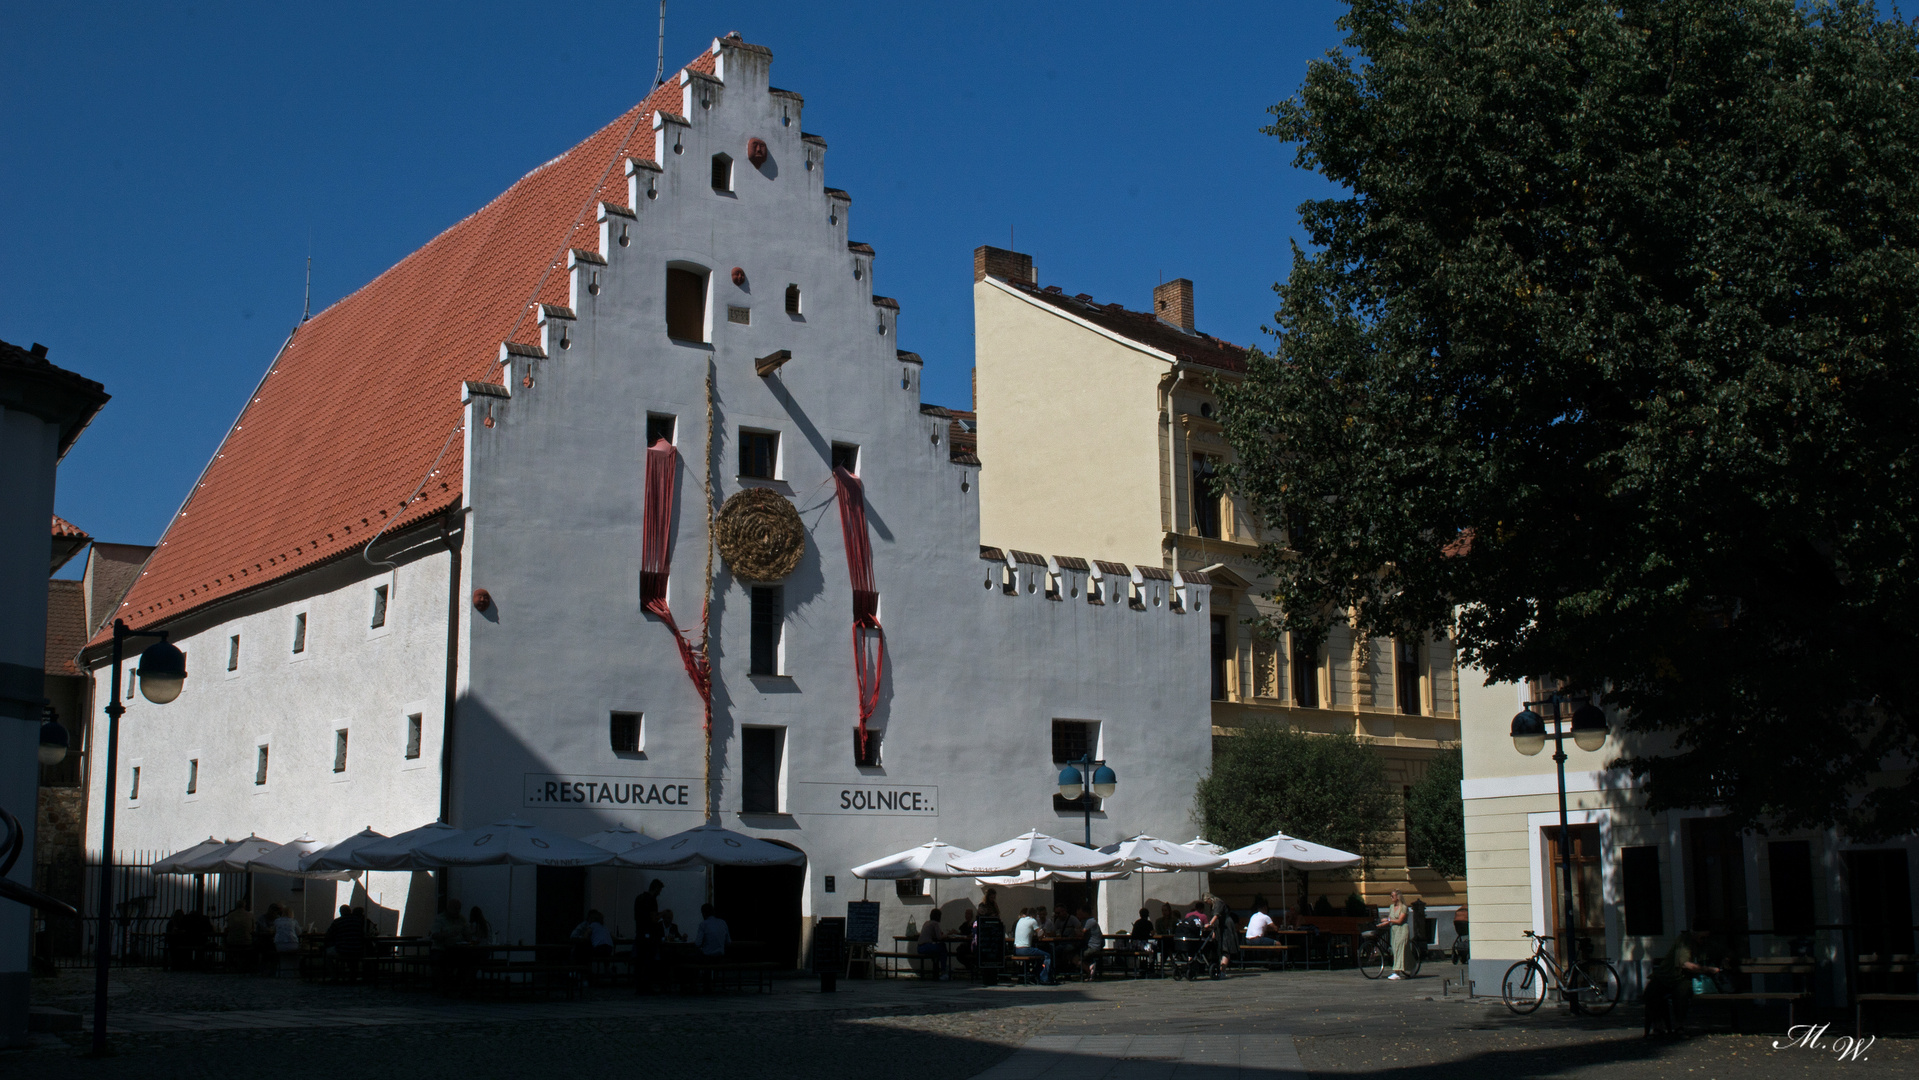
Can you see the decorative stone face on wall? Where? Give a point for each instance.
(760, 535)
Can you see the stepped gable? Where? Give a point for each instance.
(1141, 326)
(361, 399)
(962, 430)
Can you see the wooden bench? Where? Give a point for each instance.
(1798, 966)
(892, 962)
(1264, 954)
(1875, 964)
(532, 977)
(732, 973)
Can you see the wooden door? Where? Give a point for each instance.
(1589, 913)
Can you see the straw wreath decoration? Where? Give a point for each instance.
(760, 535)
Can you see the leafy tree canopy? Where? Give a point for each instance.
(1436, 817)
(1605, 364)
(1329, 789)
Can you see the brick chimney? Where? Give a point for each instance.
(1001, 263)
(1173, 303)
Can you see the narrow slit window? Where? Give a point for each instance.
(759, 454)
(792, 299)
(685, 304)
(1407, 669)
(1305, 675)
(1209, 489)
(339, 751)
(233, 653)
(623, 730)
(193, 776)
(413, 726)
(379, 606)
(133, 788)
(260, 768)
(760, 752)
(769, 625)
(300, 632)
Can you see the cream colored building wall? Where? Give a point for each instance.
(1058, 403)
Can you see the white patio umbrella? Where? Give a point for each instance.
(619, 839)
(1048, 877)
(510, 842)
(1152, 855)
(1032, 851)
(236, 858)
(929, 860)
(1280, 850)
(335, 856)
(1200, 843)
(396, 852)
(709, 845)
(285, 861)
(172, 863)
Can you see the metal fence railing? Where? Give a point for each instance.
(143, 902)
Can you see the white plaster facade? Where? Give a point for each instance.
(550, 528)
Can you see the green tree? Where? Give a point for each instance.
(1436, 816)
(1329, 789)
(1604, 362)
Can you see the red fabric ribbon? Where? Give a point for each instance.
(656, 564)
(869, 639)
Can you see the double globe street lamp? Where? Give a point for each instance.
(162, 672)
(1588, 731)
(1095, 780)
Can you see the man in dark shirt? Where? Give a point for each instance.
(646, 937)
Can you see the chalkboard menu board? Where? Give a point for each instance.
(829, 946)
(863, 922)
(991, 955)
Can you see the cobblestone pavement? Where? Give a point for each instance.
(1334, 1024)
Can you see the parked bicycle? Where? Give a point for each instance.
(1376, 954)
(1590, 984)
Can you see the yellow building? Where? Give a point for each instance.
(1097, 431)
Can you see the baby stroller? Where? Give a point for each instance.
(1188, 956)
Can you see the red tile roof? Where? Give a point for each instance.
(362, 398)
(66, 626)
(63, 527)
(1141, 326)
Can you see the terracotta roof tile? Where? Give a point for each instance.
(1155, 573)
(1141, 326)
(66, 627)
(63, 527)
(1119, 568)
(991, 554)
(1028, 557)
(363, 396)
(1070, 562)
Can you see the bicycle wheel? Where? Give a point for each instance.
(1595, 986)
(1524, 988)
(1374, 961)
(1415, 955)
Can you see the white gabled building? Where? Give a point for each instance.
(494, 654)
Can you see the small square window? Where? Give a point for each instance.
(339, 751)
(769, 625)
(193, 776)
(413, 726)
(379, 606)
(792, 299)
(233, 653)
(659, 428)
(260, 768)
(759, 454)
(722, 173)
(133, 788)
(624, 732)
(300, 632)
(846, 456)
(910, 888)
(869, 758)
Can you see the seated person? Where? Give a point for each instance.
(591, 938)
(1026, 943)
(1143, 926)
(670, 930)
(932, 943)
(712, 935)
(1092, 941)
(1669, 990)
(1258, 925)
(346, 938)
(449, 928)
(477, 928)
(965, 951)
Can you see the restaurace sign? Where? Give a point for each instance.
(601, 792)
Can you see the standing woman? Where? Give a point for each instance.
(1399, 917)
(1225, 933)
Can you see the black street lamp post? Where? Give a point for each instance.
(1588, 732)
(163, 670)
(1095, 780)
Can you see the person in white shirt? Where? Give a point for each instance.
(1257, 926)
(1026, 943)
(711, 936)
(591, 936)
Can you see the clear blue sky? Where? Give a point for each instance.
(167, 165)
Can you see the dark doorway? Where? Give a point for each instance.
(1589, 911)
(1879, 907)
(1072, 895)
(1716, 885)
(559, 902)
(761, 906)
